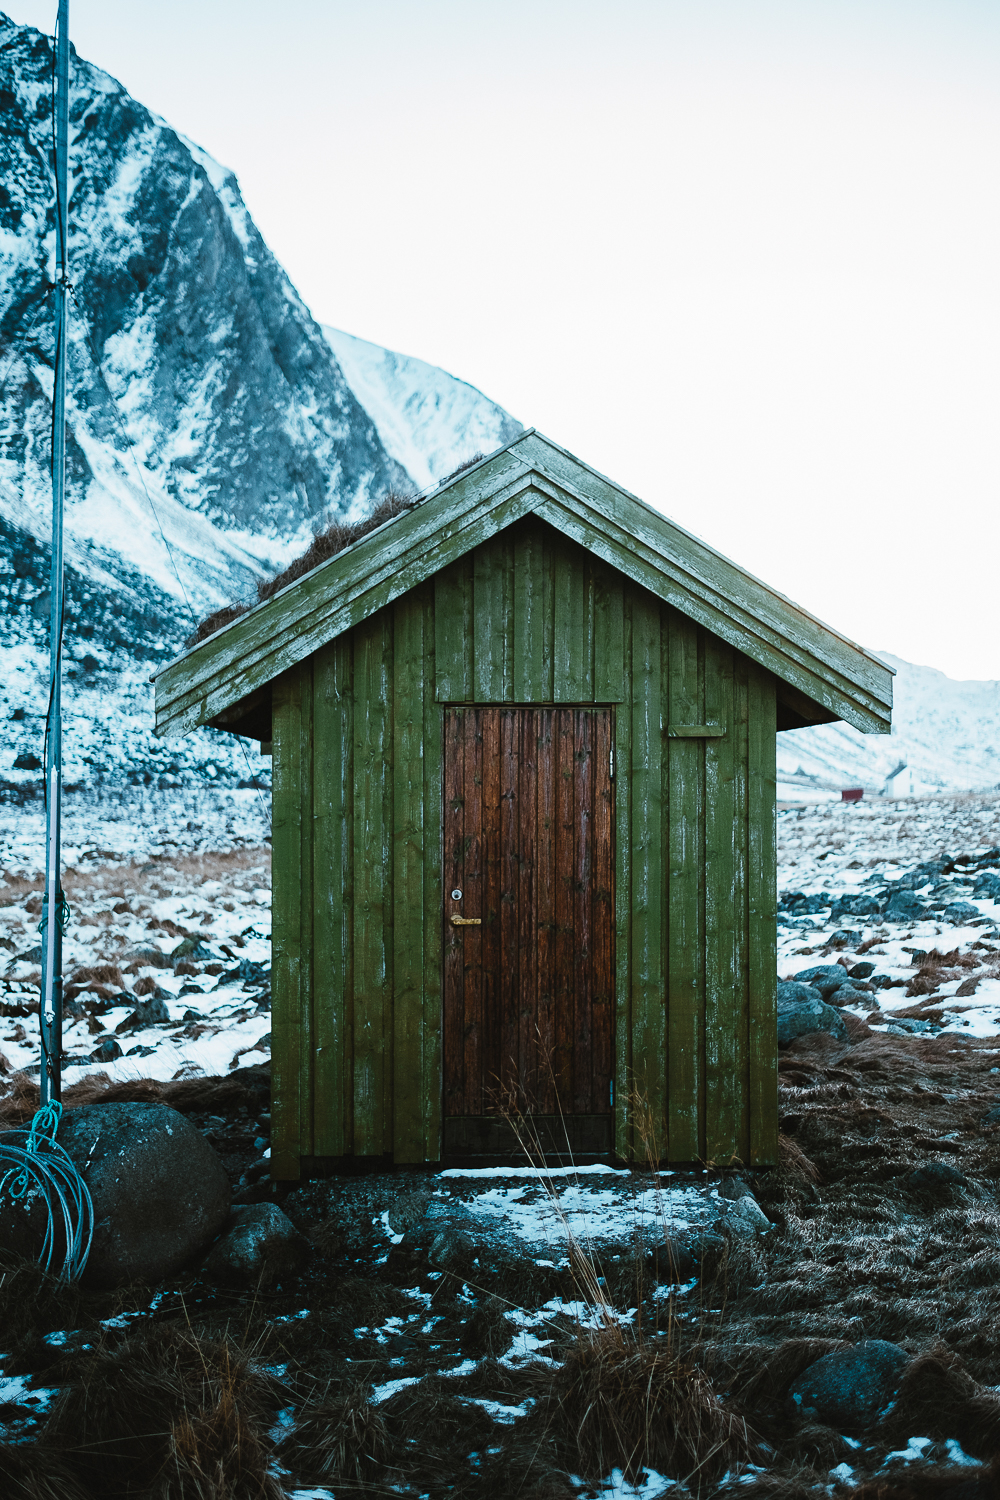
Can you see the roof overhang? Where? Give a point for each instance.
(824, 676)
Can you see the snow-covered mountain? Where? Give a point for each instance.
(419, 409)
(211, 426)
(946, 733)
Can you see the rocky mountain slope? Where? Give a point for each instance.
(421, 412)
(947, 733)
(211, 426)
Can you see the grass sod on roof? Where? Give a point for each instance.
(324, 545)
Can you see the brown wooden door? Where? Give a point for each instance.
(528, 992)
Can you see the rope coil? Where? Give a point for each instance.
(40, 1166)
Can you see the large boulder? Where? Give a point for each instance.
(823, 977)
(262, 1246)
(160, 1192)
(848, 1389)
(987, 886)
(904, 906)
(802, 1009)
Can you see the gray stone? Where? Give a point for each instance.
(849, 1388)
(934, 1177)
(801, 1009)
(160, 1192)
(106, 1050)
(848, 995)
(993, 1116)
(261, 1246)
(734, 1188)
(671, 1262)
(861, 971)
(746, 1217)
(823, 977)
(903, 906)
(148, 1012)
(962, 912)
(987, 886)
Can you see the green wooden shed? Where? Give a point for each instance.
(523, 745)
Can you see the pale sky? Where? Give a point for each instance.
(743, 257)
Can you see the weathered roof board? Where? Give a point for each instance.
(530, 476)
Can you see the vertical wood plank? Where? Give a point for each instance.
(409, 654)
(373, 908)
(507, 987)
(763, 902)
(609, 663)
(603, 915)
(470, 939)
(582, 1099)
(570, 668)
(545, 906)
(724, 916)
(648, 979)
(525, 822)
(432, 1055)
(453, 632)
(289, 993)
(685, 1022)
(493, 617)
(332, 895)
(622, 794)
(454, 874)
(565, 852)
(532, 673)
(741, 883)
(493, 904)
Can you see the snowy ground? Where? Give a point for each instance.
(169, 893)
(843, 850)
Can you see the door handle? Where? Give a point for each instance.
(466, 921)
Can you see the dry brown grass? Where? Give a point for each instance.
(30, 1472)
(324, 545)
(218, 1094)
(620, 1401)
(339, 1439)
(167, 1414)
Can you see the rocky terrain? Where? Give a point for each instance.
(816, 1328)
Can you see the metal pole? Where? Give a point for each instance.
(51, 1006)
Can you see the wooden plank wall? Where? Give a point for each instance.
(526, 618)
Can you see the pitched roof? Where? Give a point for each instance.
(531, 476)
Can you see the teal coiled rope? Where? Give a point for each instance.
(38, 1167)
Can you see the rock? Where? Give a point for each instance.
(261, 1247)
(160, 1192)
(849, 1388)
(192, 949)
(671, 1262)
(903, 906)
(746, 1217)
(855, 906)
(934, 1177)
(993, 1117)
(106, 1051)
(987, 886)
(801, 1009)
(861, 971)
(823, 977)
(140, 1051)
(734, 1188)
(844, 937)
(848, 995)
(962, 913)
(968, 987)
(151, 1012)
